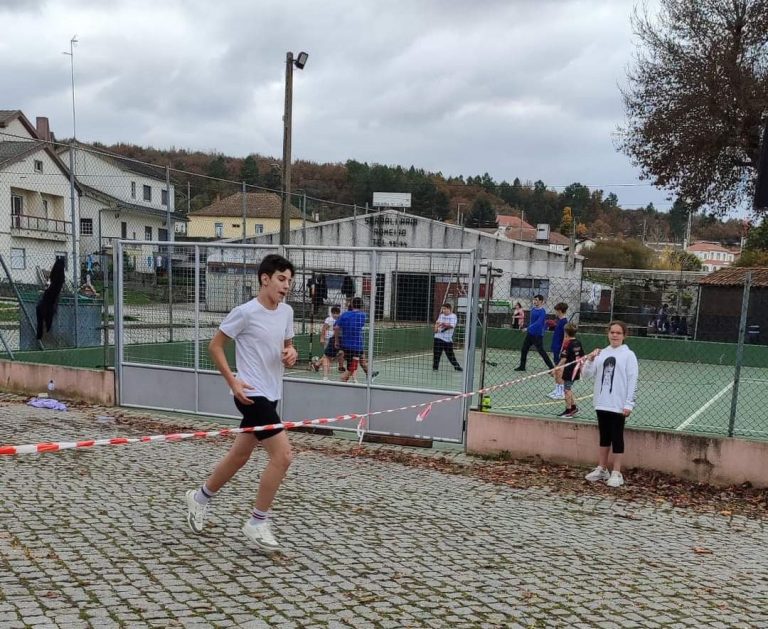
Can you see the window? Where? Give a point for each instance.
(123, 230)
(164, 197)
(148, 193)
(147, 232)
(86, 227)
(218, 230)
(18, 259)
(17, 209)
(133, 189)
(38, 165)
(162, 233)
(527, 287)
(236, 225)
(259, 228)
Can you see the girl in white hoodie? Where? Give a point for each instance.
(615, 371)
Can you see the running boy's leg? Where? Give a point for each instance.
(236, 457)
(280, 458)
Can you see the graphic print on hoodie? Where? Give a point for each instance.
(609, 370)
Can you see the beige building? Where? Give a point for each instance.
(223, 219)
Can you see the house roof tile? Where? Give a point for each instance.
(735, 276)
(258, 205)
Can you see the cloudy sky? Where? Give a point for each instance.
(517, 88)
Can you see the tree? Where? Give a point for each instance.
(567, 222)
(272, 178)
(678, 218)
(482, 213)
(249, 171)
(677, 260)
(696, 97)
(618, 254)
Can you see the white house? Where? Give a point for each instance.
(122, 199)
(36, 226)
(713, 255)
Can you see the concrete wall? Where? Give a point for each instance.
(718, 461)
(87, 385)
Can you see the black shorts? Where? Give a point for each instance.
(262, 412)
(330, 349)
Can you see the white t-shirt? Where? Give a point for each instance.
(259, 334)
(449, 319)
(329, 332)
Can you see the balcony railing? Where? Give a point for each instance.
(40, 224)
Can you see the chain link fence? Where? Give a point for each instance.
(702, 346)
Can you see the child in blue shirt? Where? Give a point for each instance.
(558, 393)
(535, 334)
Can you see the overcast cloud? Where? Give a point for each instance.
(517, 88)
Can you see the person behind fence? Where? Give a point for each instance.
(348, 336)
(535, 334)
(330, 351)
(262, 330)
(615, 371)
(570, 370)
(518, 317)
(558, 335)
(443, 341)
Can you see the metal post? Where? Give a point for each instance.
(739, 351)
(117, 267)
(169, 226)
(371, 331)
(286, 183)
(104, 293)
(75, 261)
(484, 348)
(22, 310)
(245, 297)
(197, 328)
(304, 219)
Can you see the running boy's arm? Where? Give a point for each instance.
(290, 355)
(219, 358)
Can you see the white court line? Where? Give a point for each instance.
(693, 417)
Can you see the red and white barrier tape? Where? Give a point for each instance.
(56, 446)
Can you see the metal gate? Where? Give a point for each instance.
(171, 297)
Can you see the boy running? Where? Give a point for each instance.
(571, 350)
(262, 329)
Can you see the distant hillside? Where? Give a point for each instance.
(333, 187)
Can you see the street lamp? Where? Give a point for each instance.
(299, 62)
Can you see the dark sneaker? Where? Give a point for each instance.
(374, 374)
(519, 368)
(458, 369)
(569, 412)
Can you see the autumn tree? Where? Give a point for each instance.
(696, 97)
(567, 221)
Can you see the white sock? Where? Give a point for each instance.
(203, 495)
(258, 517)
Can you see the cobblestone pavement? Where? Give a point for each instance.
(98, 538)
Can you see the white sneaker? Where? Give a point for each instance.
(195, 512)
(261, 535)
(599, 473)
(556, 395)
(616, 480)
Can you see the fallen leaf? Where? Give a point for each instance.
(700, 550)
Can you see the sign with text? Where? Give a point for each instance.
(389, 230)
(392, 199)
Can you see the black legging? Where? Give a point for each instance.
(611, 426)
(536, 341)
(439, 347)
